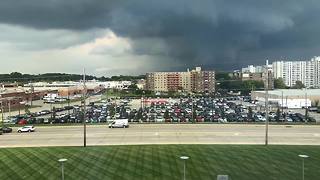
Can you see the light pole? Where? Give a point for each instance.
(303, 156)
(282, 102)
(2, 125)
(62, 167)
(267, 103)
(184, 158)
(306, 105)
(84, 109)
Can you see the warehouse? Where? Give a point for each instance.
(290, 98)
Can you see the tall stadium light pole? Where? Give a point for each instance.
(62, 167)
(267, 103)
(84, 110)
(302, 156)
(184, 158)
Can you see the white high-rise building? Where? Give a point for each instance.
(316, 67)
(292, 71)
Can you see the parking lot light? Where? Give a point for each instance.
(62, 167)
(184, 158)
(303, 156)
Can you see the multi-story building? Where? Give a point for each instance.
(253, 69)
(292, 71)
(189, 81)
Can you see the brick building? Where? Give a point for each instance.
(189, 81)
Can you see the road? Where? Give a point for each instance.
(164, 134)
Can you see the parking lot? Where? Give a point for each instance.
(180, 110)
(163, 134)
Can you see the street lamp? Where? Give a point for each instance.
(184, 158)
(62, 167)
(303, 156)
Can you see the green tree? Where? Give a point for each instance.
(133, 87)
(279, 84)
(299, 85)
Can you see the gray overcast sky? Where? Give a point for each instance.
(132, 37)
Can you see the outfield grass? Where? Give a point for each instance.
(241, 162)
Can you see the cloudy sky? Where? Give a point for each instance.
(111, 37)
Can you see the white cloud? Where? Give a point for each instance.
(100, 51)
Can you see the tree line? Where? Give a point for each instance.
(17, 77)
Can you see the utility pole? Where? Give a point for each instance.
(32, 91)
(267, 102)
(306, 105)
(2, 125)
(84, 109)
(9, 106)
(69, 98)
(282, 103)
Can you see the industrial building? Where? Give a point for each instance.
(289, 98)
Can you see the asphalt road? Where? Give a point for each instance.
(164, 134)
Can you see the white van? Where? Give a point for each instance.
(119, 123)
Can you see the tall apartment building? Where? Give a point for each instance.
(292, 71)
(189, 81)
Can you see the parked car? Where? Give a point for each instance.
(26, 129)
(5, 129)
(22, 122)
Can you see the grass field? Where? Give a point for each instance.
(241, 162)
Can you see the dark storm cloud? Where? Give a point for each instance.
(215, 33)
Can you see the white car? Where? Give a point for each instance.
(119, 123)
(26, 129)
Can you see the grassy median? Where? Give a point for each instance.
(241, 162)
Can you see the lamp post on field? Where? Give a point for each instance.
(303, 156)
(62, 167)
(184, 158)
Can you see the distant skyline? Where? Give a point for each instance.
(115, 37)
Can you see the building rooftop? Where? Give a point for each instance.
(293, 92)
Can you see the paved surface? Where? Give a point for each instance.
(45, 106)
(164, 134)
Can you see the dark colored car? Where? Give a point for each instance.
(5, 130)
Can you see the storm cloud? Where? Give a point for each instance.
(173, 35)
